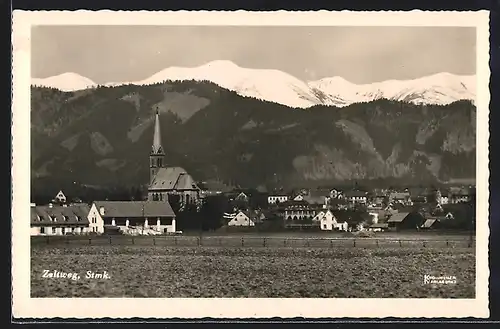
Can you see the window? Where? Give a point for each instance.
(42, 230)
(38, 217)
(65, 218)
(63, 230)
(53, 230)
(78, 219)
(324, 225)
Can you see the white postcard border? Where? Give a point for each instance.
(26, 307)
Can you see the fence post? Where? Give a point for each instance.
(424, 244)
(198, 241)
(331, 243)
(133, 240)
(376, 241)
(264, 242)
(242, 242)
(307, 242)
(284, 242)
(447, 244)
(90, 240)
(154, 241)
(400, 244)
(175, 240)
(354, 243)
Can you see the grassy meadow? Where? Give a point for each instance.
(330, 271)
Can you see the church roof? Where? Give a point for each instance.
(157, 148)
(173, 178)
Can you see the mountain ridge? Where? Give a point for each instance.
(280, 87)
(99, 136)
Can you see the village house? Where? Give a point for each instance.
(336, 194)
(377, 199)
(60, 198)
(378, 227)
(165, 181)
(360, 197)
(157, 216)
(242, 197)
(441, 198)
(459, 195)
(317, 197)
(410, 220)
(328, 221)
(274, 199)
(61, 220)
(245, 219)
(419, 195)
(400, 197)
(299, 210)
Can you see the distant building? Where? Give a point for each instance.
(356, 196)
(62, 220)
(60, 198)
(245, 218)
(328, 221)
(378, 227)
(165, 181)
(154, 215)
(317, 197)
(242, 197)
(299, 210)
(274, 199)
(400, 197)
(459, 195)
(405, 221)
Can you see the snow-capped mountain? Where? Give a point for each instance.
(66, 82)
(441, 88)
(270, 85)
(283, 88)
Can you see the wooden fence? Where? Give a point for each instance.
(244, 241)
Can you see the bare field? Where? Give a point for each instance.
(169, 272)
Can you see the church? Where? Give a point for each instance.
(164, 180)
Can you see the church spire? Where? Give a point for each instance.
(157, 148)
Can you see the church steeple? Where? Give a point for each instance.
(157, 156)
(157, 148)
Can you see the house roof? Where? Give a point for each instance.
(252, 215)
(400, 195)
(379, 225)
(349, 194)
(72, 214)
(173, 178)
(429, 222)
(123, 209)
(397, 217)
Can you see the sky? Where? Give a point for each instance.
(358, 54)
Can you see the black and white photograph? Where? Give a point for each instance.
(303, 158)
